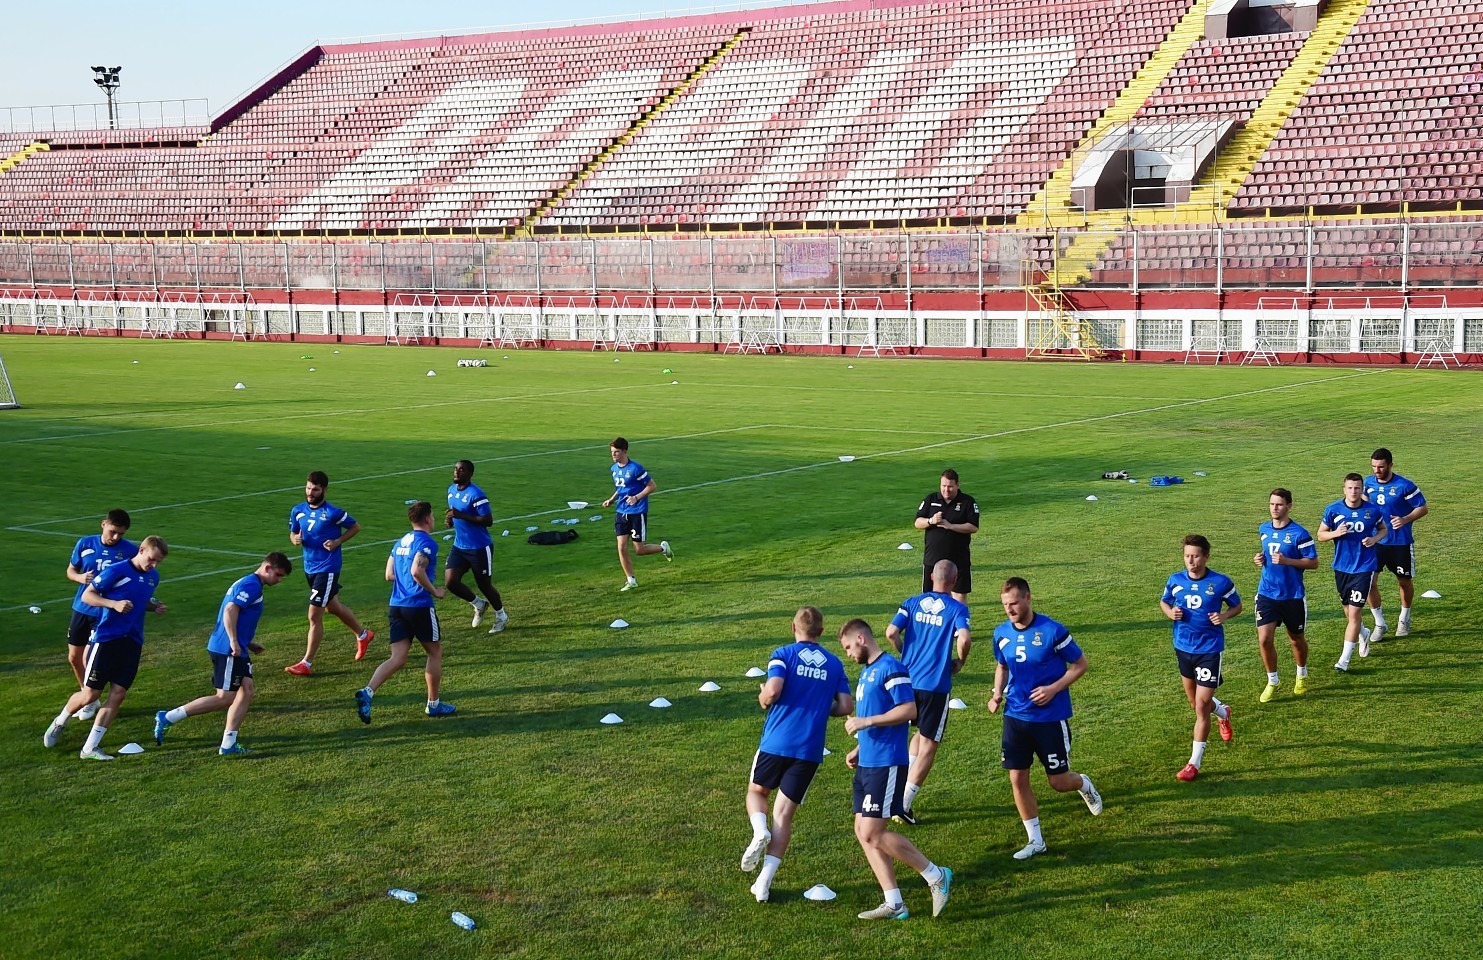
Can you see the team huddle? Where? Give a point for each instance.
(1036, 662)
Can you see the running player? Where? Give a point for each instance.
(1355, 527)
(411, 613)
(633, 486)
(805, 686)
(1193, 599)
(470, 516)
(124, 592)
(1287, 550)
(884, 705)
(231, 646)
(1404, 504)
(90, 556)
(322, 528)
(1036, 664)
(931, 632)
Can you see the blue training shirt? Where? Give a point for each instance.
(796, 722)
(1036, 656)
(247, 596)
(928, 623)
(630, 479)
(405, 590)
(1350, 554)
(316, 525)
(466, 535)
(124, 581)
(1398, 497)
(1293, 543)
(1200, 598)
(884, 684)
(91, 554)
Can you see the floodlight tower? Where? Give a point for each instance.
(107, 80)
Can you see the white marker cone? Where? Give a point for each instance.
(1092, 497)
(709, 687)
(956, 704)
(751, 671)
(130, 749)
(904, 546)
(819, 892)
(618, 624)
(240, 386)
(1432, 595)
(432, 373)
(611, 719)
(660, 703)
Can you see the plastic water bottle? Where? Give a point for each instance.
(463, 920)
(406, 896)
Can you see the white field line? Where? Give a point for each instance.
(812, 466)
(174, 546)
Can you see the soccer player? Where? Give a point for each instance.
(805, 686)
(1193, 598)
(231, 646)
(322, 528)
(1355, 527)
(950, 518)
(1036, 664)
(411, 613)
(89, 557)
(931, 632)
(884, 705)
(1287, 550)
(470, 516)
(1404, 504)
(124, 592)
(634, 487)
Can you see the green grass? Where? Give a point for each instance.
(1342, 825)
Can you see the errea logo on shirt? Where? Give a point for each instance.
(929, 611)
(812, 666)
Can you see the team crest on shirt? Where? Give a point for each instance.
(1036, 642)
(1287, 539)
(1210, 590)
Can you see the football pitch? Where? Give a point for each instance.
(1344, 823)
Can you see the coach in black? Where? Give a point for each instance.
(950, 517)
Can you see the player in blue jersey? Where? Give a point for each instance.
(1287, 550)
(89, 556)
(632, 488)
(1404, 504)
(470, 516)
(1354, 527)
(411, 614)
(931, 632)
(322, 528)
(884, 705)
(805, 686)
(124, 592)
(231, 646)
(1036, 662)
(1193, 598)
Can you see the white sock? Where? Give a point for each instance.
(1032, 830)
(1272, 678)
(1221, 710)
(1379, 614)
(1197, 755)
(95, 737)
(433, 703)
(932, 873)
(1302, 671)
(307, 663)
(362, 635)
(633, 579)
(1405, 614)
(228, 739)
(62, 718)
(1348, 652)
(893, 897)
(759, 822)
(368, 692)
(176, 715)
(912, 790)
(769, 870)
(1086, 784)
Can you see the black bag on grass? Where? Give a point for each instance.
(548, 538)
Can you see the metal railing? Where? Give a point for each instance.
(128, 115)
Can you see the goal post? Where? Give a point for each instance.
(7, 392)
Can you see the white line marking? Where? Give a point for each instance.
(173, 546)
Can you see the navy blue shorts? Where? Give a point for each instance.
(880, 791)
(1399, 559)
(413, 623)
(1203, 668)
(931, 721)
(115, 662)
(1292, 614)
(635, 525)
(1025, 740)
(788, 775)
(80, 630)
(478, 559)
(228, 671)
(322, 588)
(1354, 588)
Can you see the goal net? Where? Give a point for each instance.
(7, 392)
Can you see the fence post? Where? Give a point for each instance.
(1405, 255)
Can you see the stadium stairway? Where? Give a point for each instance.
(1240, 154)
(1053, 205)
(633, 129)
(15, 159)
